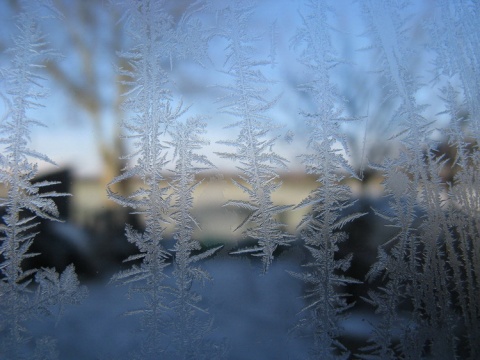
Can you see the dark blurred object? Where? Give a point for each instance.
(61, 243)
(95, 249)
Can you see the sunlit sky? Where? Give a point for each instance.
(69, 138)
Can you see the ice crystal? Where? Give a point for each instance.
(246, 101)
(155, 125)
(26, 201)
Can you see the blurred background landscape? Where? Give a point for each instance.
(84, 116)
(84, 110)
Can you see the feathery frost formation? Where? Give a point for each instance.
(245, 99)
(424, 285)
(429, 264)
(174, 323)
(330, 201)
(459, 59)
(26, 294)
(188, 328)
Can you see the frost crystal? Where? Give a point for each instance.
(427, 264)
(25, 202)
(321, 227)
(170, 320)
(246, 101)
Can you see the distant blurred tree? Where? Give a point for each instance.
(90, 39)
(89, 36)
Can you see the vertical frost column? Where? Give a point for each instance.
(25, 203)
(189, 324)
(170, 312)
(148, 107)
(245, 100)
(454, 38)
(321, 228)
(464, 212)
(419, 262)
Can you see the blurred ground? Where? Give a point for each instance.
(253, 313)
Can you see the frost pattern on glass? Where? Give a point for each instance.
(458, 59)
(26, 294)
(188, 329)
(330, 201)
(454, 21)
(171, 322)
(412, 260)
(425, 283)
(425, 265)
(246, 100)
(463, 215)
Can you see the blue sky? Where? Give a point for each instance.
(69, 138)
